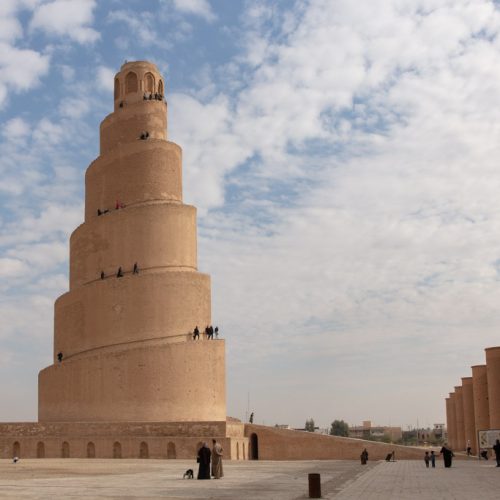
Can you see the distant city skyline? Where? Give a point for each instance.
(343, 157)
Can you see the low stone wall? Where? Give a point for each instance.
(169, 440)
(282, 444)
(119, 440)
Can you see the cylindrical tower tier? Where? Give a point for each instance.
(123, 334)
(481, 406)
(459, 409)
(135, 123)
(150, 305)
(468, 404)
(150, 382)
(159, 235)
(493, 374)
(452, 429)
(134, 173)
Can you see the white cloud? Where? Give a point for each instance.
(10, 27)
(69, 18)
(20, 69)
(16, 128)
(105, 78)
(48, 132)
(386, 233)
(74, 107)
(12, 267)
(213, 150)
(200, 8)
(142, 26)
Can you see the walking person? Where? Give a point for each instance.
(364, 457)
(427, 459)
(217, 472)
(447, 455)
(433, 459)
(496, 449)
(196, 333)
(203, 459)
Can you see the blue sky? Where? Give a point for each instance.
(343, 157)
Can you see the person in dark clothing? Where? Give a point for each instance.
(203, 459)
(447, 455)
(99, 212)
(136, 269)
(484, 454)
(196, 333)
(59, 356)
(211, 332)
(216, 331)
(427, 459)
(102, 275)
(207, 332)
(119, 274)
(251, 418)
(496, 449)
(433, 459)
(364, 457)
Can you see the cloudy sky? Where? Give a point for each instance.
(344, 159)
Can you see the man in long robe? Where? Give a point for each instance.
(447, 455)
(496, 449)
(204, 461)
(217, 460)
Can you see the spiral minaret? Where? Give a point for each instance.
(126, 344)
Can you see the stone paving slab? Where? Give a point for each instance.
(266, 480)
(130, 479)
(410, 479)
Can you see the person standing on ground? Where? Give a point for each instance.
(217, 472)
(496, 449)
(447, 455)
(426, 459)
(468, 449)
(204, 461)
(433, 459)
(364, 457)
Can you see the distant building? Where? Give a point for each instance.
(367, 431)
(440, 431)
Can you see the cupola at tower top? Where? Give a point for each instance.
(136, 81)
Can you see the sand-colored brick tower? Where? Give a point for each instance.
(126, 343)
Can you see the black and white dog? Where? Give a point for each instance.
(188, 474)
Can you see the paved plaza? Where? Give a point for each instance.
(266, 480)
